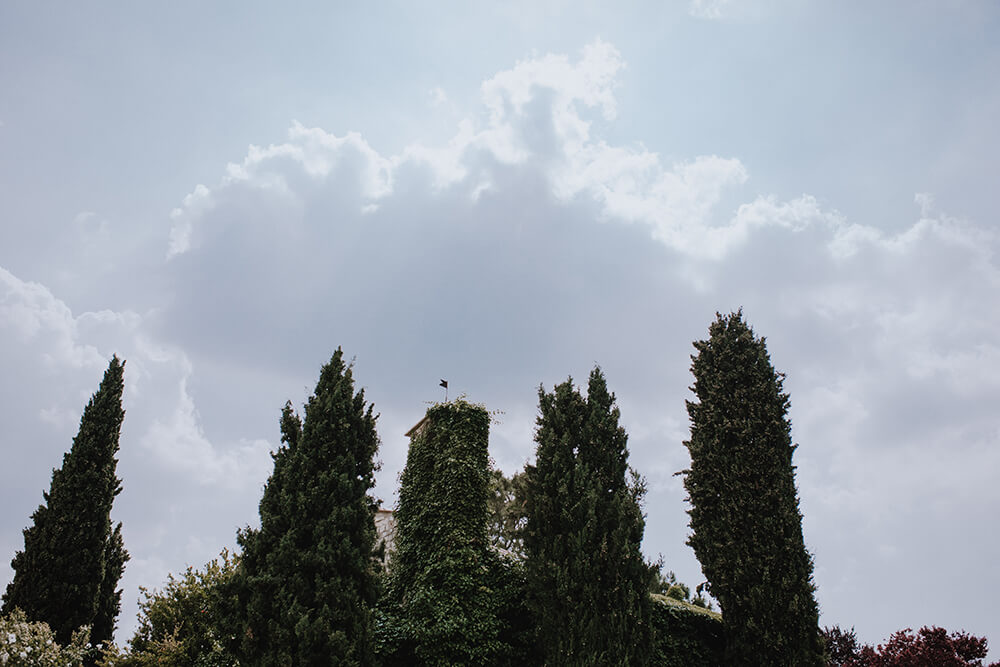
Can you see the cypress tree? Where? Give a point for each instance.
(67, 575)
(585, 570)
(441, 607)
(745, 519)
(306, 582)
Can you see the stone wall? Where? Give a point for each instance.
(385, 533)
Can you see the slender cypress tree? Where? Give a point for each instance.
(307, 576)
(67, 575)
(745, 520)
(441, 604)
(586, 574)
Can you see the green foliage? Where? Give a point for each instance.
(33, 644)
(667, 584)
(587, 580)
(188, 622)
(747, 529)
(506, 515)
(445, 595)
(507, 578)
(67, 575)
(307, 585)
(686, 635)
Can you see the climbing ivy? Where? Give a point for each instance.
(445, 594)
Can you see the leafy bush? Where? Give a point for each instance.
(24, 643)
(187, 623)
(506, 519)
(685, 635)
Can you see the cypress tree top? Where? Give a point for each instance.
(745, 520)
(308, 573)
(586, 575)
(72, 560)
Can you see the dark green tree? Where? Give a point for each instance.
(443, 605)
(306, 584)
(67, 575)
(745, 519)
(587, 579)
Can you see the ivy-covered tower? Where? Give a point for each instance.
(439, 605)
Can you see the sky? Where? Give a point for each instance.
(505, 195)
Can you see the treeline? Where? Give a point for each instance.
(544, 568)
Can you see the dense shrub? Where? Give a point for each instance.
(33, 644)
(186, 623)
(685, 635)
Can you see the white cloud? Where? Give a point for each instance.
(195, 204)
(177, 440)
(437, 96)
(33, 316)
(37, 326)
(709, 9)
(180, 444)
(537, 115)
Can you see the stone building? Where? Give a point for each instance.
(385, 533)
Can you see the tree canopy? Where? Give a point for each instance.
(307, 582)
(587, 581)
(67, 575)
(745, 519)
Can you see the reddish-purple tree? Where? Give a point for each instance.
(929, 647)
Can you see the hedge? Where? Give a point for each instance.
(685, 635)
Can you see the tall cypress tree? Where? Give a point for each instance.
(745, 520)
(307, 577)
(67, 575)
(586, 574)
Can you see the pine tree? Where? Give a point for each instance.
(441, 606)
(307, 576)
(586, 574)
(747, 528)
(68, 573)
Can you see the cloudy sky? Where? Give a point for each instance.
(503, 196)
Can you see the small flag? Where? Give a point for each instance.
(444, 383)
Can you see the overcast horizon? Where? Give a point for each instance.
(503, 197)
